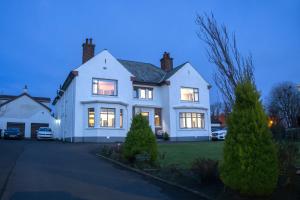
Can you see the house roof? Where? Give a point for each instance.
(148, 73)
(143, 72)
(38, 100)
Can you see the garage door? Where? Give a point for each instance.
(20, 126)
(35, 127)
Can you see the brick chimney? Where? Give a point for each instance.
(88, 50)
(166, 62)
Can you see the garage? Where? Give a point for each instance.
(35, 127)
(26, 113)
(18, 125)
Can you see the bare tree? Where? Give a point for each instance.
(216, 109)
(222, 51)
(284, 104)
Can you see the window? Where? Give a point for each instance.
(121, 118)
(157, 117)
(91, 117)
(189, 94)
(107, 117)
(145, 114)
(191, 120)
(142, 93)
(104, 87)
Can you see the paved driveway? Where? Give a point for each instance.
(52, 170)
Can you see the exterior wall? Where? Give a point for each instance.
(65, 112)
(25, 110)
(191, 79)
(103, 65)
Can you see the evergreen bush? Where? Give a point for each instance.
(250, 163)
(140, 140)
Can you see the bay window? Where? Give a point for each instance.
(91, 117)
(104, 87)
(191, 120)
(189, 94)
(107, 117)
(121, 118)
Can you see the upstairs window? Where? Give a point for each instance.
(91, 117)
(105, 87)
(142, 93)
(189, 94)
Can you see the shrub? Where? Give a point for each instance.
(166, 136)
(140, 140)
(287, 155)
(205, 169)
(250, 163)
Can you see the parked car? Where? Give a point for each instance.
(219, 134)
(44, 133)
(12, 133)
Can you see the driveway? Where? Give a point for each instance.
(47, 170)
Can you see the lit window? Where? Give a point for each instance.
(142, 93)
(121, 118)
(145, 114)
(191, 120)
(107, 117)
(104, 87)
(189, 94)
(91, 117)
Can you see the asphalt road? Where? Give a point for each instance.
(46, 170)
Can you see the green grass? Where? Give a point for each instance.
(183, 154)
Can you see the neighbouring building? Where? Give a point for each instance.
(25, 112)
(98, 100)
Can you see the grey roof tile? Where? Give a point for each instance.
(146, 72)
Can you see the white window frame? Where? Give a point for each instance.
(195, 94)
(104, 80)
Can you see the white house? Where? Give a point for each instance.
(26, 113)
(98, 100)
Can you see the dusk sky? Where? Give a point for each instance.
(41, 39)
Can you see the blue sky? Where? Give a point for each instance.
(41, 39)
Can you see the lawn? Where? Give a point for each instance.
(183, 154)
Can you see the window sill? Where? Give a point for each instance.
(184, 101)
(192, 129)
(100, 95)
(104, 128)
(137, 99)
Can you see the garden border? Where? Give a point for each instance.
(200, 194)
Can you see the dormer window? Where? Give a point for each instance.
(189, 94)
(105, 87)
(142, 93)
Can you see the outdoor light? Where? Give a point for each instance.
(57, 121)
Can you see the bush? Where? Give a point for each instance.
(250, 163)
(140, 140)
(287, 155)
(166, 136)
(205, 169)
